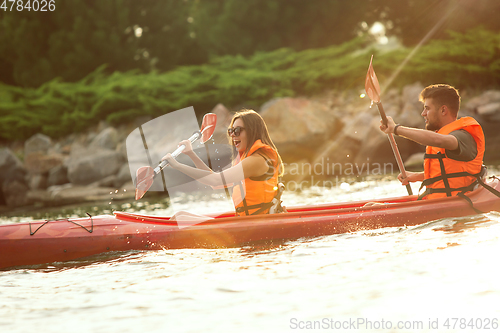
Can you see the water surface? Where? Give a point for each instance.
(415, 277)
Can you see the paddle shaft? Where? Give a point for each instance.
(176, 153)
(394, 147)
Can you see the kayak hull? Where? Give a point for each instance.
(68, 239)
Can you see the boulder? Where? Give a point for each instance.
(94, 167)
(15, 193)
(38, 143)
(411, 115)
(122, 149)
(224, 117)
(374, 146)
(108, 181)
(8, 161)
(106, 139)
(488, 97)
(37, 181)
(490, 111)
(411, 94)
(123, 176)
(70, 194)
(39, 163)
(13, 185)
(58, 176)
(299, 126)
(415, 161)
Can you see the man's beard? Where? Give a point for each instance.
(431, 127)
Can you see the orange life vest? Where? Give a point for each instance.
(258, 192)
(444, 176)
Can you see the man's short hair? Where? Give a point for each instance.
(442, 94)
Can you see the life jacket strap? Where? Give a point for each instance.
(479, 181)
(444, 178)
(483, 184)
(275, 203)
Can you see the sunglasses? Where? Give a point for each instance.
(235, 130)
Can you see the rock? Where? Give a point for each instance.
(123, 176)
(415, 161)
(411, 94)
(78, 150)
(58, 176)
(296, 125)
(38, 181)
(490, 111)
(38, 143)
(488, 97)
(91, 168)
(392, 96)
(69, 194)
(38, 163)
(14, 193)
(128, 187)
(411, 116)
(224, 117)
(122, 149)
(11, 170)
(340, 152)
(374, 146)
(345, 148)
(106, 139)
(8, 161)
(108, 181)
(491, 133)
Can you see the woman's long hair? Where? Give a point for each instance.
(256, 129)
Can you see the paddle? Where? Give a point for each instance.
(145, 175)
(372, 89)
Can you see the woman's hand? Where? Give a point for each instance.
(188, 145)
(171, 160)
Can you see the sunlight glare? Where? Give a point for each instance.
(138, 32)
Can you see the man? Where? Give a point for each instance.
(455, 147)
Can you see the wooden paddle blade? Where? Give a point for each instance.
(144, 180)
(372, 86)
(208, 126)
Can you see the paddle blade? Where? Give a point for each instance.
(144, 179)
(208, 126)
(372, 86)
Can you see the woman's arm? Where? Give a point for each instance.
(198, 162)
(252, 166)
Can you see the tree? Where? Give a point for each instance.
(411, 20)
(244, 27)
(81, 35)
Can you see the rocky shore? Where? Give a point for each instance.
(333, 134)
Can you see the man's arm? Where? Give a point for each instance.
(411, 177)
(423, 137)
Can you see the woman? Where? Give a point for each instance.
(255, 169)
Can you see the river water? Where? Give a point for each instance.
(442, 276)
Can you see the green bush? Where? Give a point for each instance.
(58, 108)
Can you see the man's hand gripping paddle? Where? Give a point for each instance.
(372, 89)
(145, 175)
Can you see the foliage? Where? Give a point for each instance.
(145, 35)
(57, 108)
(81, 35)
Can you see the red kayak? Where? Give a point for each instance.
(68, 239)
